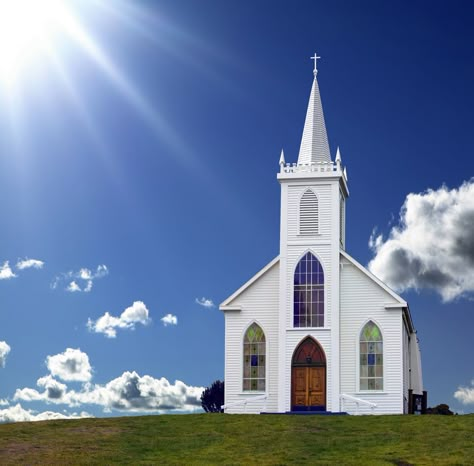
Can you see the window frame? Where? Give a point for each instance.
(322, 288)
(242, 360)
(358, 359)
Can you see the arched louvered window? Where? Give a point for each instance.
(309, 213)
(254, 359)
(308, 304)
(371, 357)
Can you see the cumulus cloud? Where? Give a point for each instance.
(4, 351)
(6, 272)
(432, 247)
(169, 319)
(71, 365)
(73, 287)
(465, 394)
(129, 392)
(4, 402)
(108, 324)
(205, 302)
(18, 414)
(26, 263)
(81, 280)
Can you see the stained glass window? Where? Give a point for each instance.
(308, 299)
(254, 359)
(371, 357)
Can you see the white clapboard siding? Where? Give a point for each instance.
(362, 299)
(259, 303)
(406, 367)
(342, 221)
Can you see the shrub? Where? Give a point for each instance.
(212, 397)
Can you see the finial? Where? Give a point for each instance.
(315, 58)
(282, 158)
(338, 155)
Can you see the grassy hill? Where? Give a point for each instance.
(243, 439)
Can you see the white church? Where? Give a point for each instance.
(314, 330)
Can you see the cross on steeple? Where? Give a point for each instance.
(315, 58)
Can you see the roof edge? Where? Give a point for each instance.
(379, 282)
(225, 303)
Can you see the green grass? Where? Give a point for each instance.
(243, 439)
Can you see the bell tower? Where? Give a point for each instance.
(312, 224)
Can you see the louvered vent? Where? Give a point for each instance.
(309, 214)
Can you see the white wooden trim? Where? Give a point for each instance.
(242, 336)
(396, 306)
(230, 308)
(374, 279)
(358, 389)
(224, 305)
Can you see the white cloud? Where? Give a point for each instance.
(433, 245)
(72, 365)
(169, 319)
(6, 272)
(205, 302)
(80, 281)
(4, 350)
(73, 287)
(18, 414)
(4, 402)
(465, 394)
(26, 263)
(129, 392)
(137, 313)
(88, 287)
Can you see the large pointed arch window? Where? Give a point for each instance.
(309, 213)
(371, 357)
(254, 359)
(308, 307)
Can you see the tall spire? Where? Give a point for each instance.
(314, 143)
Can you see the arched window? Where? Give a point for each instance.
(371, 357)
(309, 213)
(308, 307)
(254, 359)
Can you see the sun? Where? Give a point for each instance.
(27, 32)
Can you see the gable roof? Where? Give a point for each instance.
(379, 282)
(225, 305)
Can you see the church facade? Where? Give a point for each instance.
(314, 329)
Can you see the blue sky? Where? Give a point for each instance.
(138, 160)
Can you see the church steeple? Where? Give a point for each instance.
(314, 143)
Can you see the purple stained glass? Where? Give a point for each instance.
(308, 296)
(254, 360)
(371, 359)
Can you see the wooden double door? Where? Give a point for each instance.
(308, 387)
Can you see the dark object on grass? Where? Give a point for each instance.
(440, 409)
(212, 397)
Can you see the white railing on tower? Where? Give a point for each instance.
(320, 167)
(357, 401)
(245, 401)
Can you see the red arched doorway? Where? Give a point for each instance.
(308, 377)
